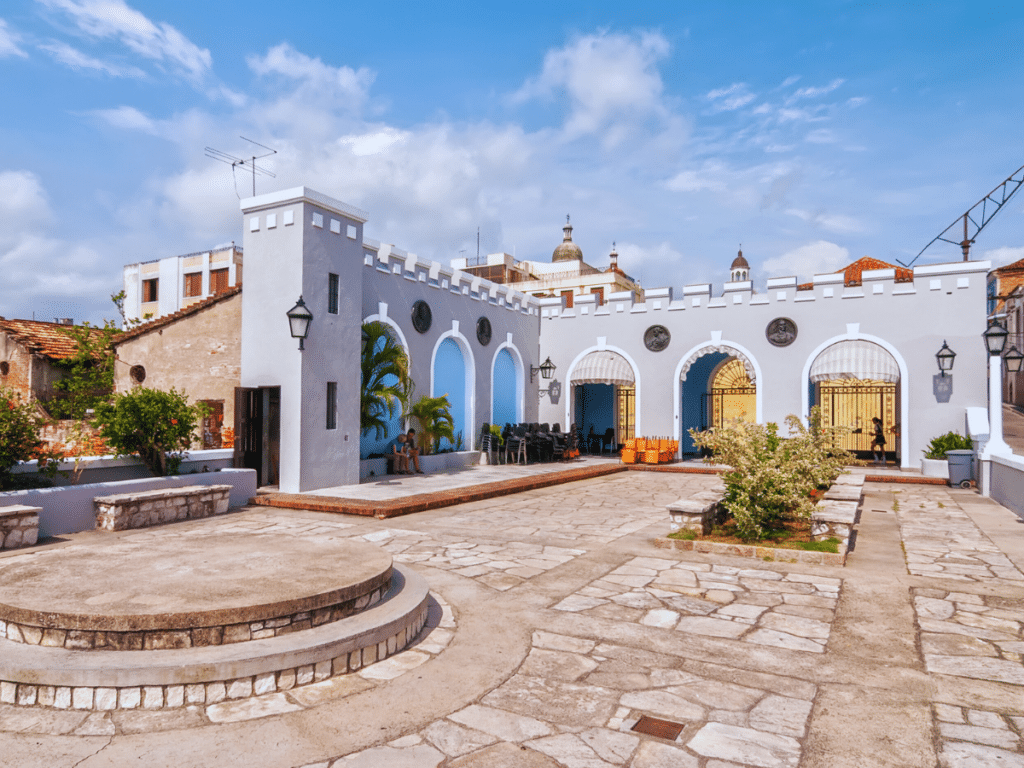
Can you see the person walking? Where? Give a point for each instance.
(878, 441)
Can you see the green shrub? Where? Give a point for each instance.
(770, 477)
(19, 435)
(158, 426)
(951, 441)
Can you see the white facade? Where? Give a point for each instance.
(179, 281)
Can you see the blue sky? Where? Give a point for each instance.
(812, 133)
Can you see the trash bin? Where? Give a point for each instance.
(961, 467)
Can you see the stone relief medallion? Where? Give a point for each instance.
(421, 316)
(483, 331)
(781, 332)
(656, 338)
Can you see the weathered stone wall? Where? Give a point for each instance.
(141, 510)
(28, 375)
(200, 355)
(19, 526)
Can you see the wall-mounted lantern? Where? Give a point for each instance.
(546, 369)
(945, 358)
(299, 318)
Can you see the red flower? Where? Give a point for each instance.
(174, 421)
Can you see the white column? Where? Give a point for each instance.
(995, 446)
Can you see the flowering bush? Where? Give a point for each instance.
(19, 439)
(158, 426)
(770, 478)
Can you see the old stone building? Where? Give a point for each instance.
(196, 350)
(30, 353)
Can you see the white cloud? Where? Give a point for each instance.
(22, 201)
(712, 177)
(821, 136)
(160, 42)
(816, 258)
(1000, 256)
(9, 42)
(831, 222)
(790, 81)
(72, 57)
(609, 79)
(812, 92)
(127, 118)
(732, 98)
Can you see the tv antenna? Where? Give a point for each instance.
(236, 162)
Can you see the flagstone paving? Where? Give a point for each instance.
(557, 625)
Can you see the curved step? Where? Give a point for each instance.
(35, 675)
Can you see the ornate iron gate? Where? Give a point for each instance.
(853, 403)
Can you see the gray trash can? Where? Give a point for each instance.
(961, 467)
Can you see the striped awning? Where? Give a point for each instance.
(855, 360)
(603, 368)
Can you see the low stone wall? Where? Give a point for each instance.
(698, 512)
(141, 510)
(19, 526)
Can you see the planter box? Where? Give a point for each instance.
(935, 468)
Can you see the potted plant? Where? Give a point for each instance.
(934, 463)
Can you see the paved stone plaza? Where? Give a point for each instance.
(556, 624)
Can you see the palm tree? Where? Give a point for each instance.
(386, 383)
(435, 420)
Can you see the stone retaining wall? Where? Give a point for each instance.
(140, 510)
(152, 640)
(19, 526)
(175, 696)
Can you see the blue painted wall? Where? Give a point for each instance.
(450, 379)
(697, 384)
(505, 395)
(594, 405)
(368, 443)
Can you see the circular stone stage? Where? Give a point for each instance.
(228, 615)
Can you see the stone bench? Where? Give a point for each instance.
(696, 513)
(836, 515)
(145, 508)
(19, 526)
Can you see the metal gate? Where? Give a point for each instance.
(853, 403)
(723, 404)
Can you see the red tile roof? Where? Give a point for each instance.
(166, 320)
(50, 340)
(853, 274)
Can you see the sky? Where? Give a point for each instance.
(809, 133)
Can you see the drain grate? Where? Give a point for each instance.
(662, 729)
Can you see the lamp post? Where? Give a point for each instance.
(299, 318)
(546, 369)
(995, 339)
(945, 357)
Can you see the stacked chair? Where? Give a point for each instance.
(649, 450)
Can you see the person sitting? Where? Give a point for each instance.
(400, 455)
(414, 452)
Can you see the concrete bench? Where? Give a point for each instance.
(140, 510)
(19, 526)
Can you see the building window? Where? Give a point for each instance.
(137, 373)
(567, 295)
(332, 405)
(213, 424)
(599, 293)
(332, 293)
(218, 281)
(5, 368)
(194, 284)
(149, 290)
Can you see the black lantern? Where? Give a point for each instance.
(945, 357)
(299, 318)
(546, 369)
(995, 338)
(1013, 360)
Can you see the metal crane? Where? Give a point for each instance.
(974, 220)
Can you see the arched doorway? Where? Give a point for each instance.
(852, 381)
(604, 395)
(369, 443)
(506, 389)
(450, 376)
(717, 382)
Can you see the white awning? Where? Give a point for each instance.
(603, 368)
(855, 360)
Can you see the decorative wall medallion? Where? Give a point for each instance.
(656, 338)
(483, 331)
(781, 332)
(421, 316)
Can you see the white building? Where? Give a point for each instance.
(160, 287)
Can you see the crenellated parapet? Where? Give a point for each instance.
(401, 264)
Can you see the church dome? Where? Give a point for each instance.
(739, 262)
(567, 249)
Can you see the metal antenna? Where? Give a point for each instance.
(977, 216)
(224, 157)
